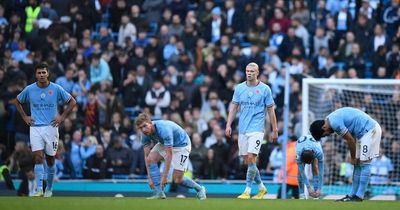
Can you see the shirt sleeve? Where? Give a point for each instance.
(168, 136)
(23, 97)
(63, 95)
(268, 100)
(338, 126)
(302, 173)
(235, 97)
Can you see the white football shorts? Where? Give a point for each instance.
(250, 143)
(180, 155)
(367, 147)
(44, 138)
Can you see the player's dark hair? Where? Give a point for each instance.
(307, 156)
(316, 129)
(42, 65)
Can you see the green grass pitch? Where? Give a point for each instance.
(110, 203)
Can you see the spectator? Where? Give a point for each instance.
(3, 20)
(105, 37)
(198, 154)
(118, 8)
(153, 10)
(289, 42)
(379, 37)
(300, 12)
(47, 10)
(143, 78)
(356, 61)
(138, 164)
(221, 152)
(393, 60)
(212, 101)
(363, 33)
(127, 29)
(113, 105)
(96, 165)
(99, 70)
(137, 19)
(21, 53)
(142, 39)
(75, 155)
(31, 13)
(119, 158)
(215, 27)
(394, 156)
(131, 88)
(381, 167)
(176, 27)
(233, 16)
(275, 160)
(279, 18)
(343, 18)
(158, 99)
(258, 34)
(120, 64)
(292, 170)
(81, 88)
(210, 166)
(66, 81)
(390, 16)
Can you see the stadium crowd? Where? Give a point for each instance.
(180, 60)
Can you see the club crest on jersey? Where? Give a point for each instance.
(250, 93)
(42, 96)
(50, 92)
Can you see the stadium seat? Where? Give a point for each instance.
(120, 176)
(340, 65)
(245, 44)
(153, 29)
(114, 35)
(95, 35)
(368, 70)
(131, 112)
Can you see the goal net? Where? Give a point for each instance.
(378, 98)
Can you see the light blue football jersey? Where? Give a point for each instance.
(167, 133)
(351, 119)
(252, 102)
(307, 142)
(43, 101)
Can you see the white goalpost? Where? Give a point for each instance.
(378, 98)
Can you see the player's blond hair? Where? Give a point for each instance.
(143, 117)
(252, 64)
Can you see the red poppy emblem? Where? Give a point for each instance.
(257, 91)
(50, 92)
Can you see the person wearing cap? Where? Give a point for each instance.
(309, 151)
(215, 27)
(363, 136)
